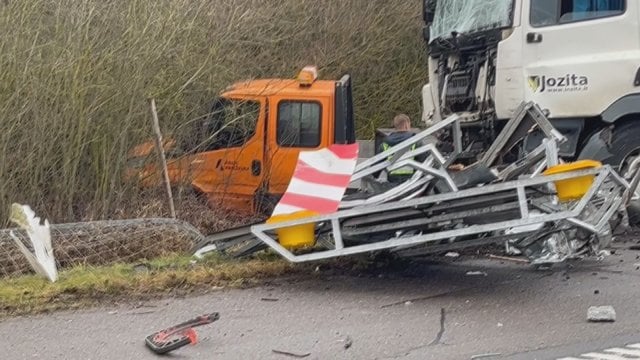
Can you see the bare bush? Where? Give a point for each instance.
(75, 76)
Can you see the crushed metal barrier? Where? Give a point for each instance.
(546, 210)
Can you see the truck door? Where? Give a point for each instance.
(295, 124)
(579, 56)
(228, 165)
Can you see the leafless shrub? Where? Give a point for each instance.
(75, 76)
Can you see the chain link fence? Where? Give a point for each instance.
(102, 243)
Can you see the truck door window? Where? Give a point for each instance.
(298, 124)
(232, 123)
(554, 12)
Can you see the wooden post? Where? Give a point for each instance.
(163, 160)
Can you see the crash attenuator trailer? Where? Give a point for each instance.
(439, 209)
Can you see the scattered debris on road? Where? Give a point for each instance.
(483, 356)
(477, 273)
(177, 336)
(287, 353)
(452, 254)
(269, 299)
(601, 314)
(428, 297)
(508, 258)
(511, 250)
(141, 312)
(348, 342)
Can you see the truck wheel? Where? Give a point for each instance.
(628, 168)
(633, 211)
(619, 148)
(625, 148)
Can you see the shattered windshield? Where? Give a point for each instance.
(465, 16)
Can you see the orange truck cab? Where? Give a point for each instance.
(243, 155)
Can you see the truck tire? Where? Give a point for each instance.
(619, 148)
(625, 144)
(633, 211)
(625, 148)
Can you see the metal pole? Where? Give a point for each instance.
(161, 156)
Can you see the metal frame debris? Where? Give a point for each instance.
(430, 212)
(571, 213)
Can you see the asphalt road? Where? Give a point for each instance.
(434, 311)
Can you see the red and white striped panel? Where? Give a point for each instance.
(320, 180)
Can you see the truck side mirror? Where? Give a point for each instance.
(428, 11)
(426, 33)
(428, 17)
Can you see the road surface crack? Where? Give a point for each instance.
(436, 341)
(430, 297)
(438, 338)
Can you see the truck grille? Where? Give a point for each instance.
(459, 91)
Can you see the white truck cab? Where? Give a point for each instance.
(579, 60)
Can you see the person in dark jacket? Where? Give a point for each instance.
(402, 131)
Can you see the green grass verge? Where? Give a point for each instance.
(84, 286)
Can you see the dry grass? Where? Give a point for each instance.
(75, 76)
(84, 286)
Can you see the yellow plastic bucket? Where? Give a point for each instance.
(573, 189)
(295, 237)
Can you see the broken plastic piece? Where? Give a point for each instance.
(177, 336)
(549, 249)
(41, 259)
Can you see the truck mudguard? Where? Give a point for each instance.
(597, 148)
(629, 104)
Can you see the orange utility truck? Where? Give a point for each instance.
(242, 155)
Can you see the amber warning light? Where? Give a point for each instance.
(307, 75)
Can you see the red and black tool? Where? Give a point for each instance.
(177, 336)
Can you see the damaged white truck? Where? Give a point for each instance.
(579, 60)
